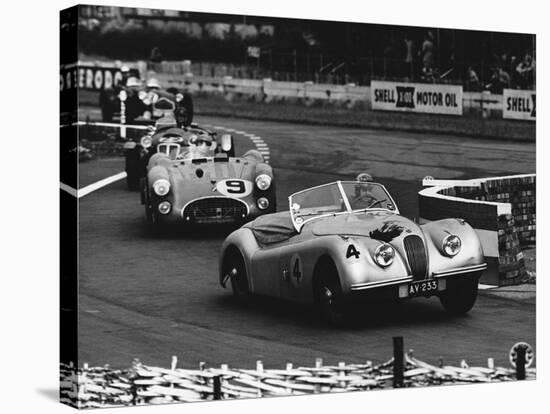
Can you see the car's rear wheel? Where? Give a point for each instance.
(460, 296)
(133, 169)
(235, 266)
(328, 296)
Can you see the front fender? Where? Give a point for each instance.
(244, 241)
(354, 259)
(471, 252)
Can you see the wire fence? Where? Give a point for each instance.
(335, 70)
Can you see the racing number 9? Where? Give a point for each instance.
(235, 186)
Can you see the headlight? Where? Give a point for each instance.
(263, 181)
(451, 245)
(384, 255)
(161, 187)
(179, 97)
(263, 203)
(146, 141)
(122, 95)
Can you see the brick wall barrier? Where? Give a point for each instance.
(501, 209)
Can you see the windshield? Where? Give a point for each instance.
(317, 201)
(337, 198)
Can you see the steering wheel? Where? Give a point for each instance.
(377, 202)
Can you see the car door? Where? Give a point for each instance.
(264, 272)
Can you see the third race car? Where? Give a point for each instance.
(145, 101)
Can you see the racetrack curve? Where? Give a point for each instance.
(152, 298)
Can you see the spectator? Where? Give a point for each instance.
(427, 53)
(499, 80)
(525, 72)
(472, 80)
(156, 56)
(408, 68)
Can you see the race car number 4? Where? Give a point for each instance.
(423, 287)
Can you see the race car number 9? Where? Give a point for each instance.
(235, 188)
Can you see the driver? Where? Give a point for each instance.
(201, 146)
(363, 198)
(153, 84)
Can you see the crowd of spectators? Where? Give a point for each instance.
(504, 71)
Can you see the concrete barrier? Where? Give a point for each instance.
(501, 209)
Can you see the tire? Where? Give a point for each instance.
(133, 169)
(235, 265)
(154, 228)
(328, 296)
(460, 296)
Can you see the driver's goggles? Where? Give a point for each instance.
(199, 142)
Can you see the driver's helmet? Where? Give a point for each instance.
(153, 84)
(133, 82)
(201, 146)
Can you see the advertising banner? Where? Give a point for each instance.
(89, 77)
(517, 104)
(417, 97)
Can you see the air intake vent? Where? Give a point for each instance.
(215, 210)
(416, 255)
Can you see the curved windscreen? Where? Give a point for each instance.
(317, 201)
(337, 198)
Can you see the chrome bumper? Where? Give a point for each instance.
(407, 279)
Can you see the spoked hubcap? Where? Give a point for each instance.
(327, 295)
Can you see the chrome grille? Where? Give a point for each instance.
(164, 104)
(215, 210)
(416, 256)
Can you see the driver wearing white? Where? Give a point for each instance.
(200, 146)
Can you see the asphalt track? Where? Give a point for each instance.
(151, 298)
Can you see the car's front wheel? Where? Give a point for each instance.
(236, 269)
(328, 296)
(460, 296)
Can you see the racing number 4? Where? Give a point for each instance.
(235, 186)
(352, 251)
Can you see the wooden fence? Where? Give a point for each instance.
(95, 387)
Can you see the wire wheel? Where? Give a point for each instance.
(237, 271)
(328, 295)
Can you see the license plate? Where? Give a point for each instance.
(422, 288)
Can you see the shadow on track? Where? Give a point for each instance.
(364, 316)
